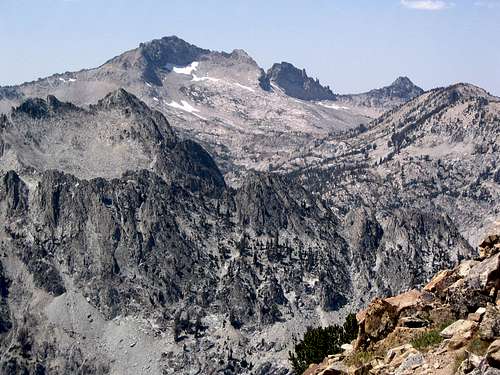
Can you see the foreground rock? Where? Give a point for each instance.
(450, 327)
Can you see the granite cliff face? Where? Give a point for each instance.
(152, 264)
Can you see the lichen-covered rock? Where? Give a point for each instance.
(489, 329)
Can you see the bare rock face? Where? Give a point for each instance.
(128, 247)
(159, 54)
(5, 320)
(118, 134)
(377, 101)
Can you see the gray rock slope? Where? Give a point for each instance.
(438, 152)
(124, 251)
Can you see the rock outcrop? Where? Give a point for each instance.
(296, 83)
(450, 327)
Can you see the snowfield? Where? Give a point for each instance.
(184, 106)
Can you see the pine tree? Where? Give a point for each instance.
(320, 342)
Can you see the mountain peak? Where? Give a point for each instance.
(403, 81)
(158, 54)
(296, 83)
(170, 50)
(120, 98)
(241, 53)
(402, 88)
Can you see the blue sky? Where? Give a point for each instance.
(351, 45)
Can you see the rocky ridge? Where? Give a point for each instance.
(375, 102)
(451, 326)
(224, 101)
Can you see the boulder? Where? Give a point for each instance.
(485, 369)
(412, 362)
(475, 317)
(347, 347)
(476, 289)
(397, 351)
(460, 339)
(490, 246)
(406, 300)
(493, 354)
(459, 327)
(398, 360)
(380, 319)
(489, 328)
(481, 311)
(440, 314)
(484, 273)
(441, 281)
(381, 316)
(463, 269)
(333, 369)
(472, 362)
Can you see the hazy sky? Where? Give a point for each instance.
(352, 45)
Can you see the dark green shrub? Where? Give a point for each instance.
(427, 340)
(320, 342)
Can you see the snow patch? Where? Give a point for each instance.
(67, 80)
(188, 70)
(333, 106)
(184, 106)
(200, 117)
(245, 87)
(206, 78)
(276, 87)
